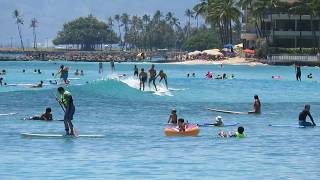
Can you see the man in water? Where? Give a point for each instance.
(47, 116)
(113, 68)
(303, 116)
(67, 101)
(1, 79)
(153, 74)
(298, 72)
(143, 76)
(163, 76)
(100, 68)
(256, 105)
(136, 71)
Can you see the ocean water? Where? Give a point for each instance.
(133, 123)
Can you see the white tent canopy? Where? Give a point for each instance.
(213, 52)
(194, 53)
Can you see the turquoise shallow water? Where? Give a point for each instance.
(135, 146)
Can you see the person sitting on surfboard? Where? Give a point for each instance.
(219, 121)
(182, 125)
(143, 76)
(256, 106)
(303, 116)
(67, 101)
(47, 116)
(173, 117)
(238, 134)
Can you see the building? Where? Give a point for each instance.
(282, 30)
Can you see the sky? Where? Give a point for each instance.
(52, 14)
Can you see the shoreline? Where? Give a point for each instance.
(228, 61)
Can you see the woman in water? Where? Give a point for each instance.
(256, 105)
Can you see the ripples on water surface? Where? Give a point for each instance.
(135, 146)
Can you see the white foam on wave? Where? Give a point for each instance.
(134, 82)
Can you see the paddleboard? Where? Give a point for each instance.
(30, 119)
(226, 111)
(8, 114)
(225, 124)
(40, 135)
(287, 125)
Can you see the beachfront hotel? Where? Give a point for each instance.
(282, 29)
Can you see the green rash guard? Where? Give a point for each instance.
(65, 97)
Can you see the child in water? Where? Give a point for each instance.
(182, 125)
(173, 117)
(238, 134)
(219, 121)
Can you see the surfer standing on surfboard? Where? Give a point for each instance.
(67, 101)
(143, 76)
(153, 76)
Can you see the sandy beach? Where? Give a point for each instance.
(230, 61)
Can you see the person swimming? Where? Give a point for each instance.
(209, 75)
(309, 76)
(303, 116)
(256, 105)
(77, 73)
(173, 117)
(47, 116)
(143, 76)
(238, 134)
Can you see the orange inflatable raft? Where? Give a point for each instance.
(191, 130)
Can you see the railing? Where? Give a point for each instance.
(292, 58)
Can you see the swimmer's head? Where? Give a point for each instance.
(173, 110)
(307, 107)
(181, 120)
(48, 110)
(256, 97)
(142, 70)
(240, 130)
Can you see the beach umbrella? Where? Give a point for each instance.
(229, 46)
(249, 51)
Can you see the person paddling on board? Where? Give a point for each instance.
(64, 73)
(303, 116)
(238, 134)
(256, 106)
(173, 117)
(40, 85)
(153, 76)
(163, 76)
(67, 101)
(143, 76)
(47, 116)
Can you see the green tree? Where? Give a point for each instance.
(125, 20)
(86, 32)
(118, 19)
(190, 14)
(34, 25)
(19, 21)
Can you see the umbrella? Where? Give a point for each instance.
(249, 51)
(229, 46)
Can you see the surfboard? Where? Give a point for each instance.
(225, 124)
(43, 135)
(226, 111)
(287, 125)
(8, 114)
(30, 119)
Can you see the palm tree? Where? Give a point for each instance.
(110, 24)
(117, 18)
(125, 19)
(146, 20)
(19, 21)
(200, 9)
(169, 17)
(33, 25)
(189, 13)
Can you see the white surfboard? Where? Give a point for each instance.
(226, 111)
(61, 135)
(8, 114)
